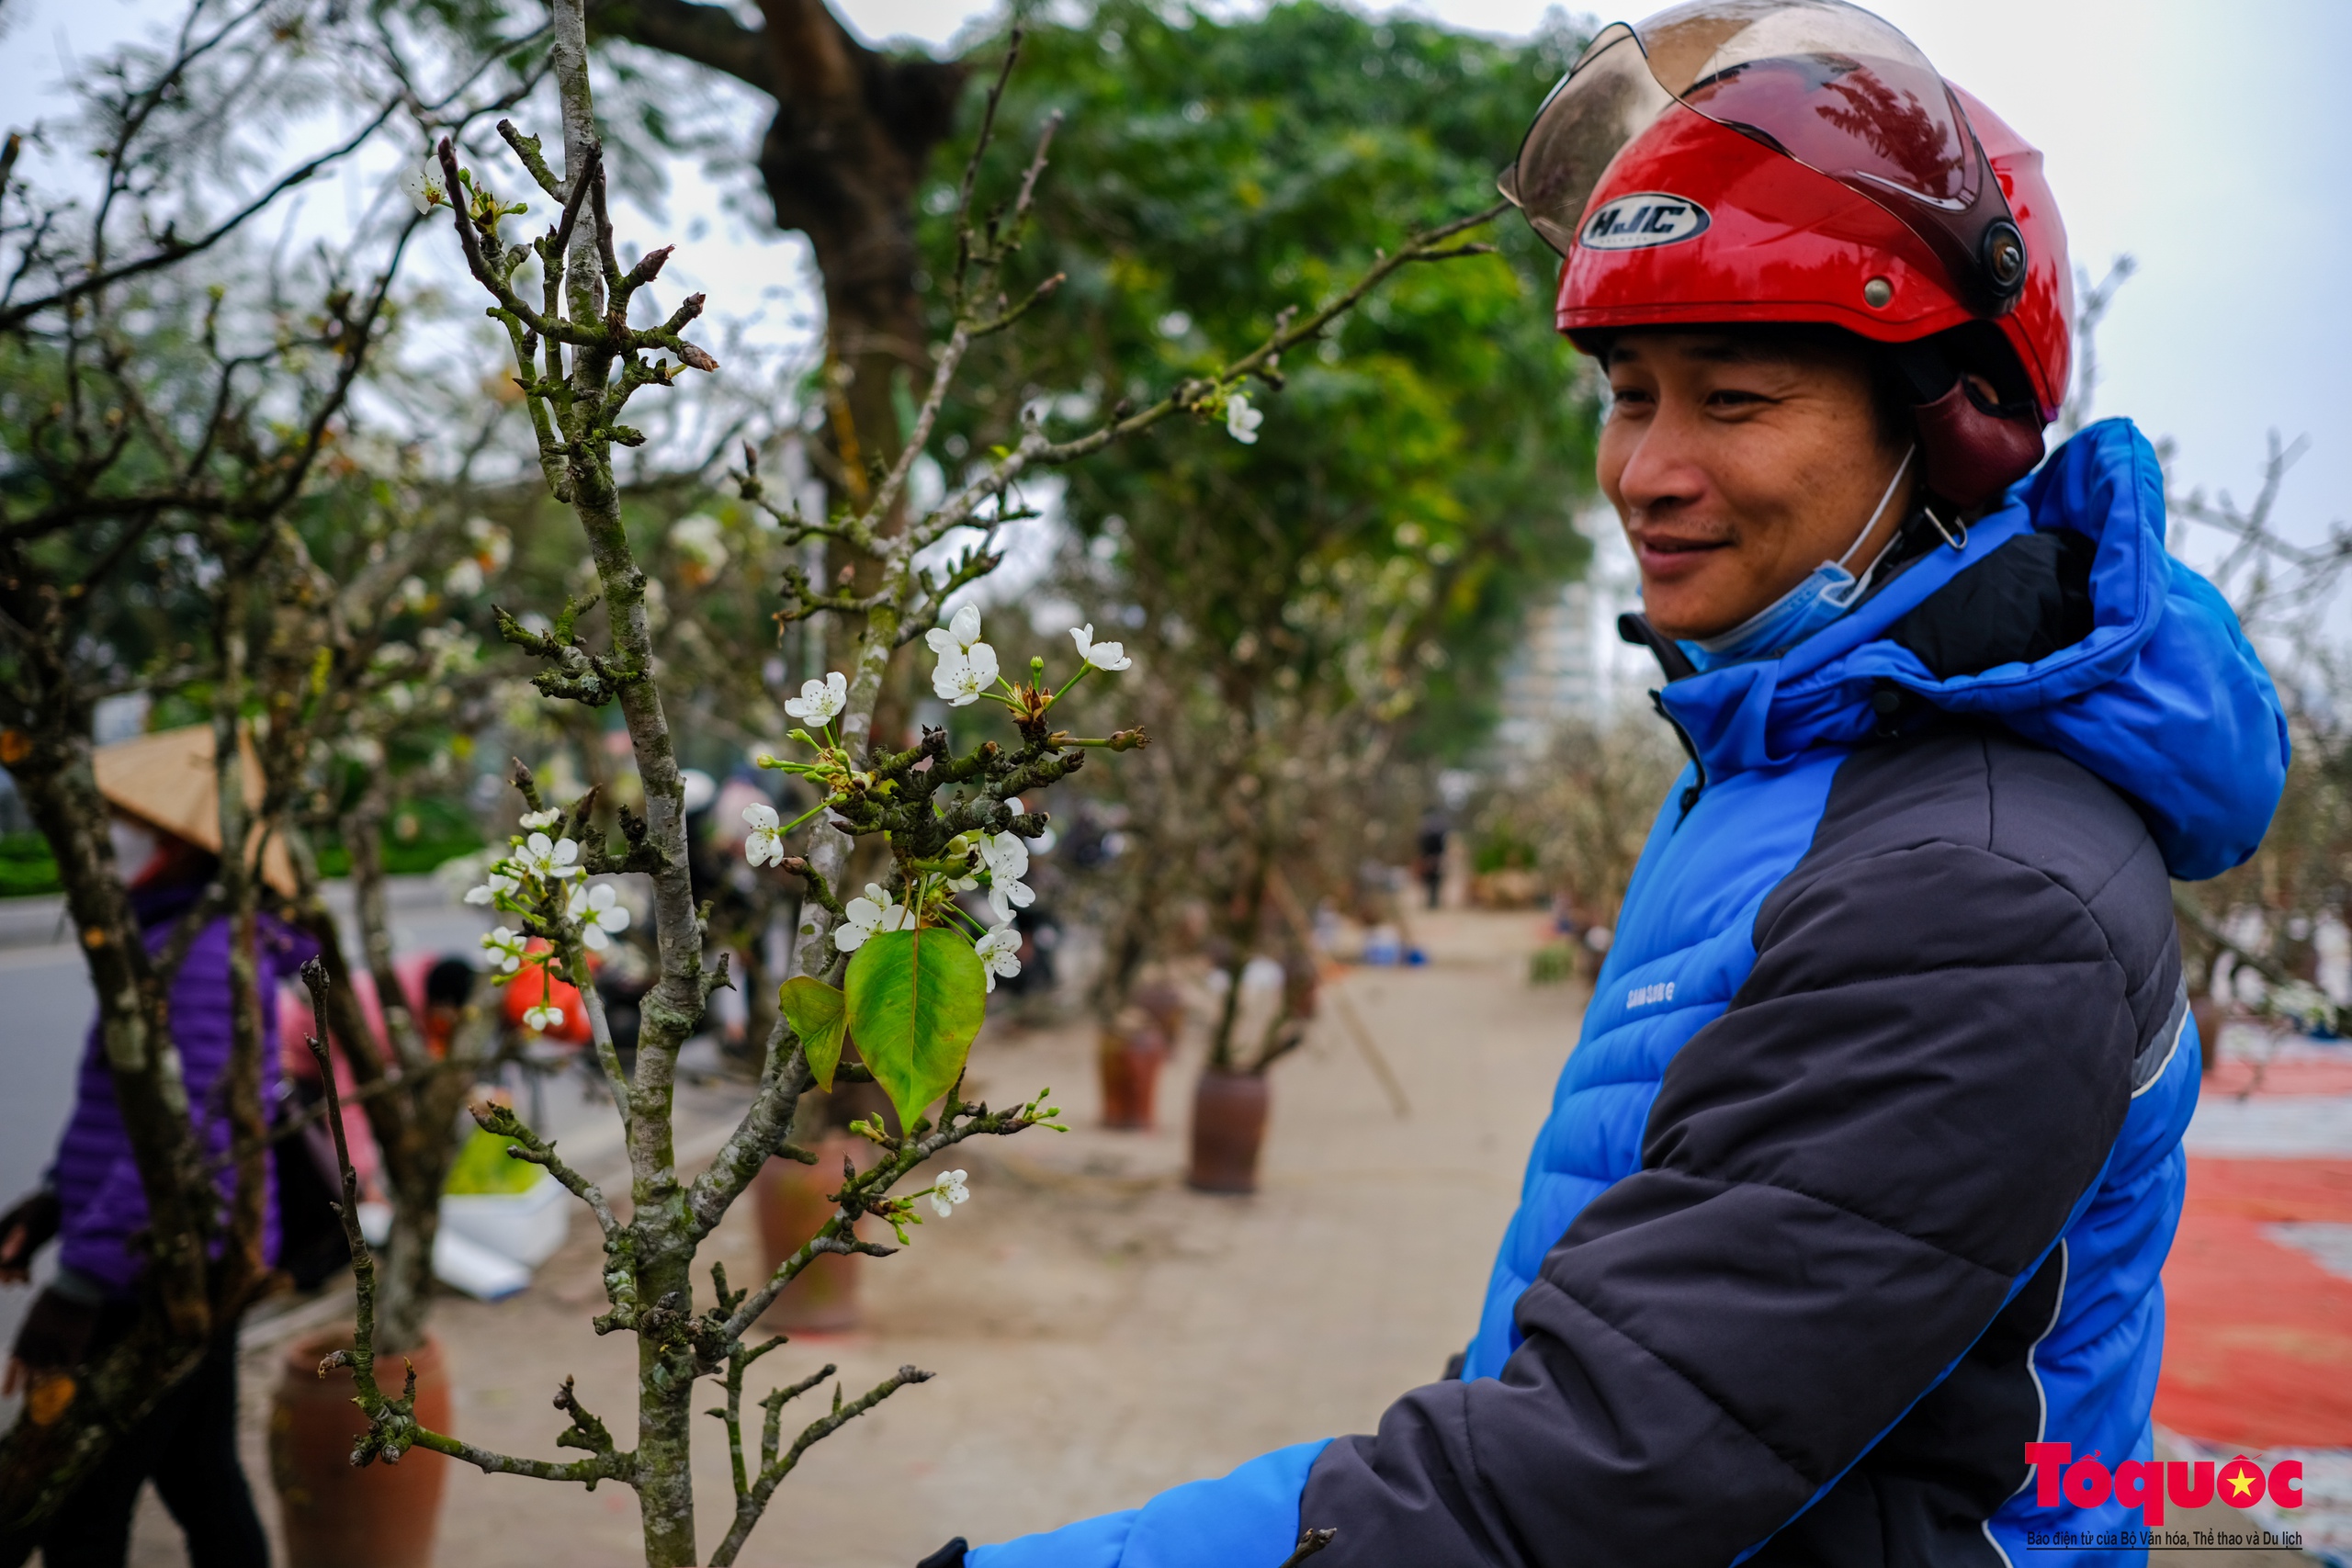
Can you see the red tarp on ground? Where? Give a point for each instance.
(2236, 1075)
(2257, 1335)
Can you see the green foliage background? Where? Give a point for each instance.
(1208, 174)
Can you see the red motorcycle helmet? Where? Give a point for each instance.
(1732, 162)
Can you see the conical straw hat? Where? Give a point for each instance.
(166, 780)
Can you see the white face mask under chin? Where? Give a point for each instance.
(135, 846)
(1827, 591)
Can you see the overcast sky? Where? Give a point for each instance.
(2213, 150)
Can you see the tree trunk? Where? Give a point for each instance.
(844, 162)
(39, 1463)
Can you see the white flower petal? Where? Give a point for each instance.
(952, 681)
(423, 184)
(964, 625)
(1241, 421)
(1005, 854)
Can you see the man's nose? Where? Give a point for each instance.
(1663, 472)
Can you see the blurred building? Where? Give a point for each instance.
(1570, 668)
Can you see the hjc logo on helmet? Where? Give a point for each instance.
(1643, 219)
(2145, 1485)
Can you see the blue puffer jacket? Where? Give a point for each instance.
(1864, 1171)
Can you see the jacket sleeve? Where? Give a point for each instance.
(1243, 1519)
(1844, 1178)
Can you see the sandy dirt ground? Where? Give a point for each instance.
(1097, 1331)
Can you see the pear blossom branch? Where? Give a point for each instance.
(750, 1504)
(499, 1122)
(1309, 1542)
(1201, 394)
(867, 1192)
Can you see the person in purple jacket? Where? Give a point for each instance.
(93, 1205)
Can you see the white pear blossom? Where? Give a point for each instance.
(505, 949)
(490, 891)
(464, 580)
(1000, 953)
(1103, 656)
(598, 913)
(535, 820)
(423, 184)
(961, 632)
(551, 860)
(1007, 896)
(765, 845)
(1241, 421)
(1005, 854)
(968, 666)
(949, 1191)
(1007, 858)
(819, 700)
(542, 1018)
(961, 678)
(871, 916)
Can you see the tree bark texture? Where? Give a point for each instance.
(844, 161)
(39, 1463)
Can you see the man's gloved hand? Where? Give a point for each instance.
(948, 1556)
(54, 1338)
(25, 1230)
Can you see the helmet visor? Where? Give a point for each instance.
(1823, 83)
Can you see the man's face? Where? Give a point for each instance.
(1737, 468)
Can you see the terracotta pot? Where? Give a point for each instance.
(1228, 1129)
(335, 1517)
(1129, 1060)
(1164, 1004)
(791, 1198)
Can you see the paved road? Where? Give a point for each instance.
(47, 1009)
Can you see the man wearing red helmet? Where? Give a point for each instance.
(1862, 1172)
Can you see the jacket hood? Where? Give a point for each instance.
(2162, 696)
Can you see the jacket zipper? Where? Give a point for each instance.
(1691, 794)
(1636, 629)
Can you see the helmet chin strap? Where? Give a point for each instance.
(1862, 580)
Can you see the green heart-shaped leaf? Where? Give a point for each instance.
(916, 999)
(815, 1012)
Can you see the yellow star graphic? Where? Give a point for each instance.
(2241, 1483)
